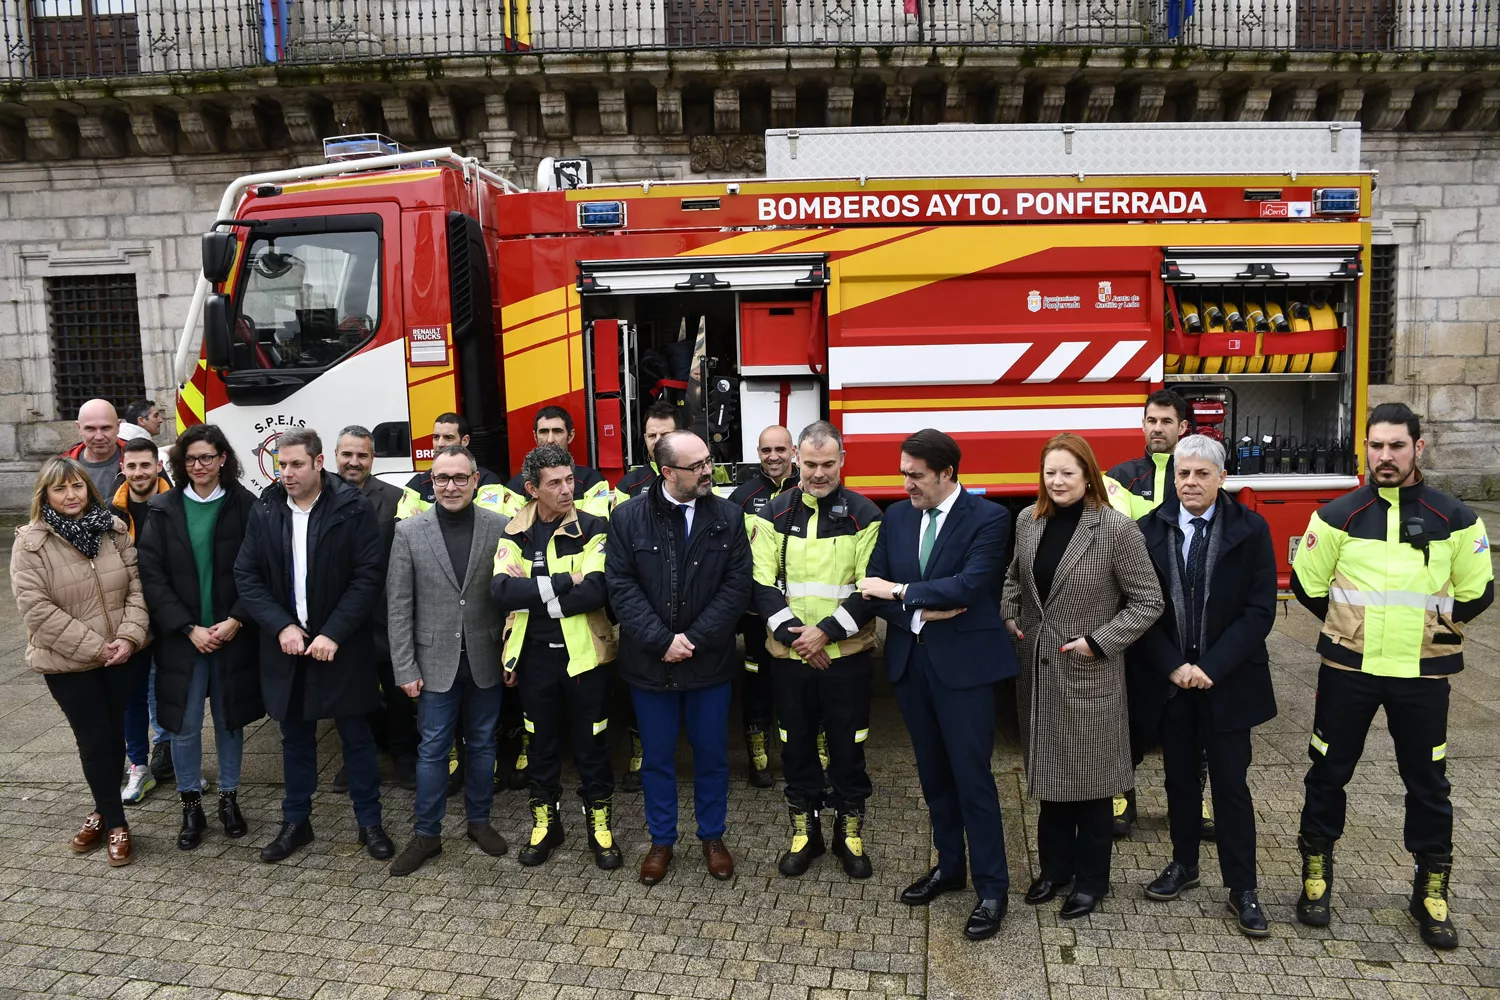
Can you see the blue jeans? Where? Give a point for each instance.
(140, 708)
(437, 719)
(657, 715)
(187, 746)
(299, 768)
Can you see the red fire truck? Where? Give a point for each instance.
(1000, 283)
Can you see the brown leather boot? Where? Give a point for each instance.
(720, 864)
(90, 836)
(119, 847)
(654, 864)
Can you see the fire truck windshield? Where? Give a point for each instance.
(308, 299)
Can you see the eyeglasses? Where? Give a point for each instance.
(443, 482)
(703, 466)
(204, 460)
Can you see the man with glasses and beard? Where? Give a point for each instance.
(678, 570)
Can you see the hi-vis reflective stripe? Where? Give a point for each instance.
(1392, 598)
(780, 618)
(860, 735)
(844, 618)
(1440, 751)
(832, 591)
(752, 667)
(783, 734)
(530, 726)
(1319, 745)
(601, 726)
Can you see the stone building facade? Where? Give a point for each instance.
(112, 162)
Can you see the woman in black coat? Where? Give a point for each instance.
(207, 642)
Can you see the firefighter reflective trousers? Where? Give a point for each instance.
(838, 699)
(555, 702)
(1416, 710)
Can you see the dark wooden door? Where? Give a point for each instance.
(1361, 25)
(723, 22)
(76, 38)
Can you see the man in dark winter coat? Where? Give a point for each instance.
(1206, 675)
(678, 568)
(310, 572)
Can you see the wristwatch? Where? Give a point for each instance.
(900, 591)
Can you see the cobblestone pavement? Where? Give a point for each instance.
(330, 924)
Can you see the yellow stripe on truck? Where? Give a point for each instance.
(538, 374)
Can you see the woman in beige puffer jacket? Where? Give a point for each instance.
(73, 573)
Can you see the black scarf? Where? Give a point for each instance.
(83, 533)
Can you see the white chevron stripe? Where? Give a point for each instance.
(1109, 366)
(1155, 372)
(927, 364)
(1061, 357)
(1062, 418)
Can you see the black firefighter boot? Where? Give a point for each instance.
(631, 782)
(758, 758)
(807, 842)
(546, 833)
(1429, 900)
(596, 819)
(1315, 906)
(518, 779)
(1124, 808)
(849, 843)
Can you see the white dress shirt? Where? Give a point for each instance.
(300, 519)
(1185, 522)
(192, 494)
(943, 509)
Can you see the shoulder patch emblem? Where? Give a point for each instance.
(1310, 541)
(1481, 544)
(1113, 487)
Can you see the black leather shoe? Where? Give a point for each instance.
(1044, 891)
(1080, 904)
(289, 838)
(932, 885)
(1246, 909)
(1174, 880)
(341, 781)
(377, 844)
(984, 922)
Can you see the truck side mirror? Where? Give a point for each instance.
(217, 342)
(218, 255)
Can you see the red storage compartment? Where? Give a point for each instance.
(774, 337)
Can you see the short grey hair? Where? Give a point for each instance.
(544, 456)
(357, 431)
(1201, 447)
(301, 437)
(459, 450)
(819, 431)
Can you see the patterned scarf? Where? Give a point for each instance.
(83, 533)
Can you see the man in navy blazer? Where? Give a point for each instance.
(937, 571)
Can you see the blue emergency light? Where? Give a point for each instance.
(601, 215)
(1336, 201)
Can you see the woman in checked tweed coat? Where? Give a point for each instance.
(1098, 594)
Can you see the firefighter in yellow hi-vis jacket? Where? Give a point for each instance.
(1393, 569)
(549, 573)
(810, 545)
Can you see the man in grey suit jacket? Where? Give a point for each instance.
(446, 650)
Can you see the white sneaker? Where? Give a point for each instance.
(137, 784)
